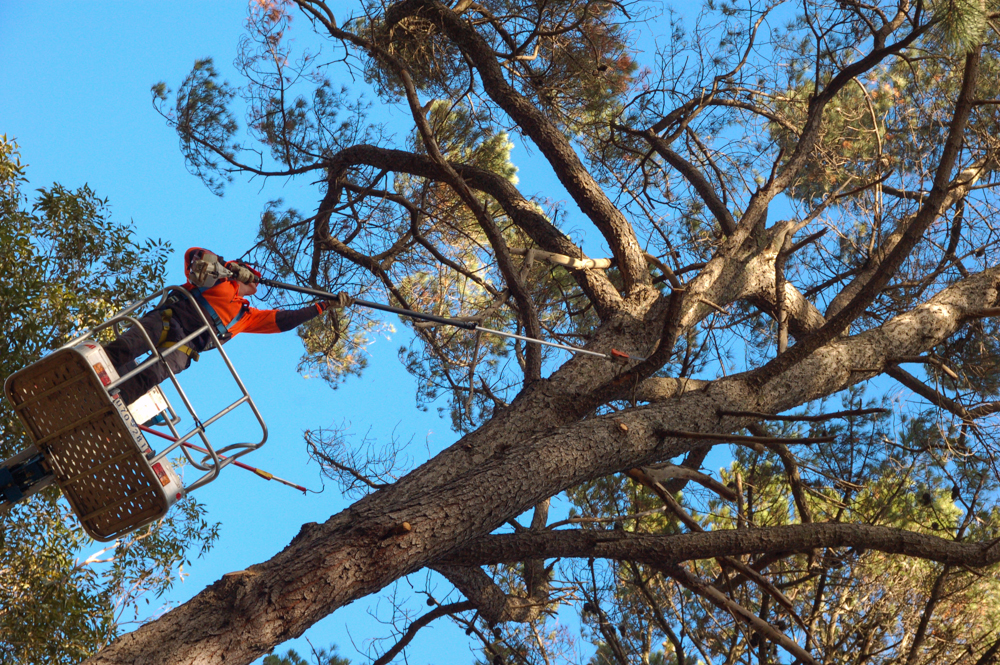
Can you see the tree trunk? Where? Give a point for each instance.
(473, 487)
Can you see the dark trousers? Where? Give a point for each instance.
(131, 344)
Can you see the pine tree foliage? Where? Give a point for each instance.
(320, 657)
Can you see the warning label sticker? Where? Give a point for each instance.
(130, 423)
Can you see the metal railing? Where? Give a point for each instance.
(213, 462)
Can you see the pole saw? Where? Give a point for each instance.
(615, 355)
(260, 472)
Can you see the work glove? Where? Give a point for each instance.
(341, 301)
(241, 273)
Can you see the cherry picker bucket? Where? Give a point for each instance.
(88, 441)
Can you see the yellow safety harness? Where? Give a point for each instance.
(221, 330)
(163, 344)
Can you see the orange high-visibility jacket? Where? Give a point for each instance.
(224, 298)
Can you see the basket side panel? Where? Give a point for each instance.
(95, 459)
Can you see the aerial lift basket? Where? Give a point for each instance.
(88, 441)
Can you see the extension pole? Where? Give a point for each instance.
(260, 472)
(615, 354)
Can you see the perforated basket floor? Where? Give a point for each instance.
(95, 459)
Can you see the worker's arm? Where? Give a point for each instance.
(282, 320)
(287, 319)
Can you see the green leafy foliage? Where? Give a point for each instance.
(64, 267)
(963, 22)
(203, 116)
(894, 118)
(335, 344)
(578, 70)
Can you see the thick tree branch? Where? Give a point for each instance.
(617, 231)
(528, 312)
(791, 472)
(693, 460)
(677, 548)
(957, 190)
(811, 131)
(521, 211)
(823, 417)
(692, 175)
(928, 393)
(932, 602)
(724, 561)
(745, 440)
(658, 389)
(911, 236)
(488, 598)
(663, 473)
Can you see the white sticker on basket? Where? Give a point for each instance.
(133, 428)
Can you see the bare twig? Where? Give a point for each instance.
(411, 631)
(604, 520)
(928, 360)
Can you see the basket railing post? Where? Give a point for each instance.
(211, 463)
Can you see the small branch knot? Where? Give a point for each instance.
(400, 529)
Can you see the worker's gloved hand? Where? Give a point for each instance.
(241, 273)
(341, 301)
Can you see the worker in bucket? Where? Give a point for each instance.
(220, 289)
